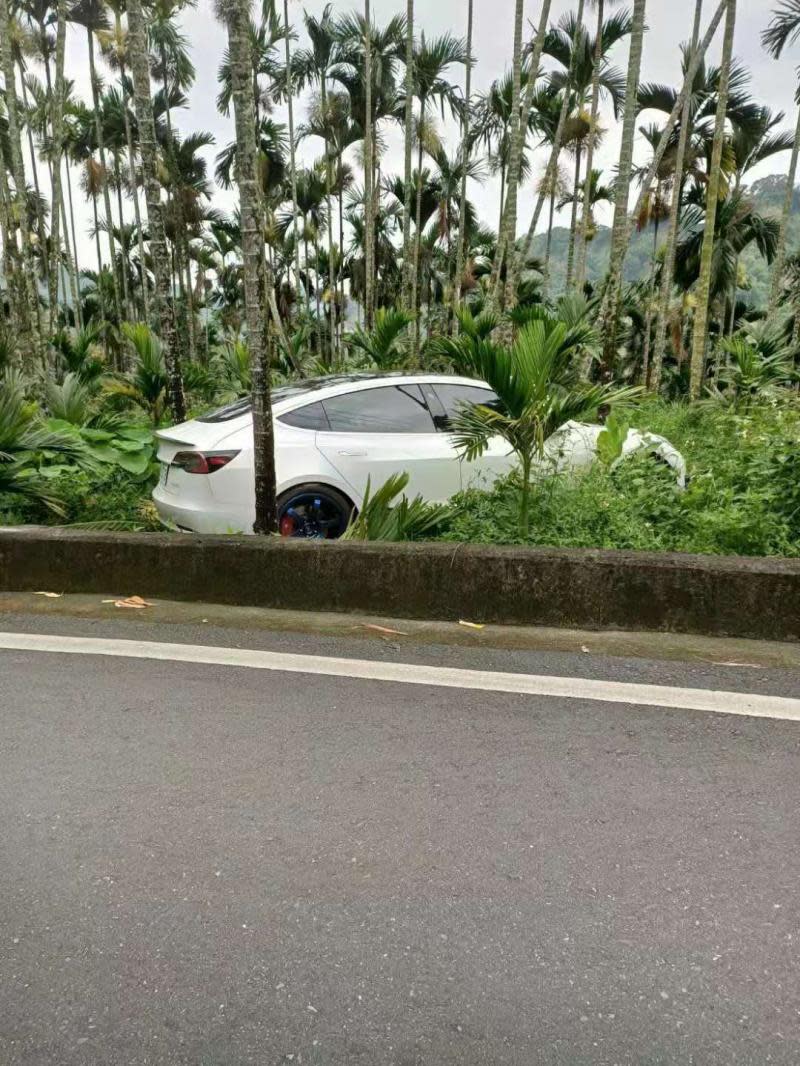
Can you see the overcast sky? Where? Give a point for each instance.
(669, 23)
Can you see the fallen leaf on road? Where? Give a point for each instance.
(471, 625)
(132, 601)
(732, 662)
(384, 629)
(50, 595)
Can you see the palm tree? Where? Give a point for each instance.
(668, 265)
(140, 69)
(737, 225)
(587, 61)
(619, 233)
(235, 14)
(521, 121)
(369, 171)
(583, 236)
(335, 126)
(784, 29)
(751, 145)
(146, 383)
(515, 144)
(289, 82)
(114, 45)
(30, 340)
(491, 129)
(26, 81)
(703, 291)
(537, 389)
(556, 139)
(92, 16)
(654, 210)
(314, 64)
(408, 139)
(554, 187)
(432, 60)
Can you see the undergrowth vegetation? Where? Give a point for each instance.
(743, 496)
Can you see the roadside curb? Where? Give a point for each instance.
(589, 589)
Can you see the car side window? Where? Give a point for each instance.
(311, 416)
(388, 409)
(453, 397)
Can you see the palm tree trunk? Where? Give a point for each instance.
(548, 246)
(619, 234)
(74, 239)
(408, 144)
(552, 164)
(369, 229)
(72, 270)
(11, 271)
(191, 316)
(57, 127)
(329, 224)
(126, 298)
(98, 128)
(461, 251)
(573, 222)
(317, 304)
(701, 315)
(516, 88)
(668, 266)
(100, 295)
(31, 344)
(341, 245)
(292, 146)
(162, 297)
(518, 138)
(416, 284)
(788, 200)
(40, 224)
(548, 182)
(672, 119)
(137, 214)
(582, 249)
(238, 24)
(648, 317)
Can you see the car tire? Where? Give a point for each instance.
(313, 512)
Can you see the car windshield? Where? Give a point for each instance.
(286, 392)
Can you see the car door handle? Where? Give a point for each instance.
(352, 453)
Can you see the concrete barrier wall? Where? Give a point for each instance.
(715, 595)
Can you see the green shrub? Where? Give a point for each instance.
(743, 496)
(109, 496)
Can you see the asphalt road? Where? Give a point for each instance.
(219, 866)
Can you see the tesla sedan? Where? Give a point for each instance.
(332, 436)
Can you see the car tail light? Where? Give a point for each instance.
(202, 462)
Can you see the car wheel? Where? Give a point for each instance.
(315, 512)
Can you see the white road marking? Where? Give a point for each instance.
(693, 699)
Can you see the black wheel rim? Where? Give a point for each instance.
(312, 516)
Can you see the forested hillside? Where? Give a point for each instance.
(766, 195)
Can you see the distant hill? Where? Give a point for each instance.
(767, 193)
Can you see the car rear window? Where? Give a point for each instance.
(455, 396)
(228, 412)
(283, 392)
(312, 416)
(395, 409)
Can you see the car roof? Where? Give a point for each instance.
(298, 394)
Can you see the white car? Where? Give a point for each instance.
(332, 435)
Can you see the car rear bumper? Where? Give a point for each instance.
(197, 519)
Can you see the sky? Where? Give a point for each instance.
(669, 23)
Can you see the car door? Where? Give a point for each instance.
(498, 459)
(385, 430)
